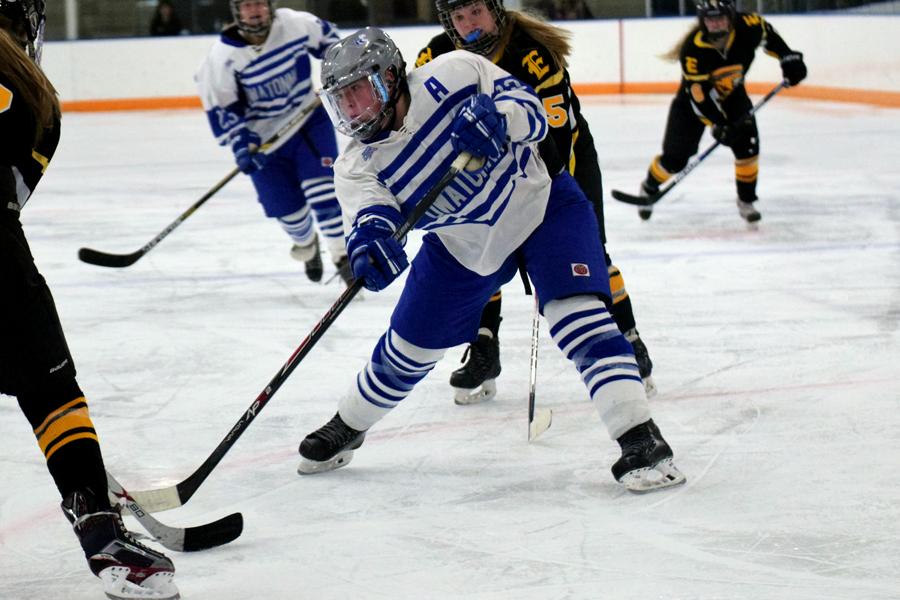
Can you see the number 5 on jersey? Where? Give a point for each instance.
(556, 112)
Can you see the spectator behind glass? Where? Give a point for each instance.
(563, 10)
(165, 20)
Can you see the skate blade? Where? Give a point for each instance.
(486, 392)
(158, 586)
(649, 386)
(310, 467)
(649, 479)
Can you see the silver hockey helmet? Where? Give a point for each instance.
(27, 17)
(362, 77)
(477, 41)
(716, 8)
(258, 29)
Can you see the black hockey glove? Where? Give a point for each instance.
(727, 134)
(793, 69)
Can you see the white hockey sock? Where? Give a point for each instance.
(299, 225)
(395, 368)
(586, 333)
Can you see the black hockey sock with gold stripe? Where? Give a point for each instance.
(67, 437)
(620, 310)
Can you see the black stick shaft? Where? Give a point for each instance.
(640, 201)
(186, 488)
(106, 259)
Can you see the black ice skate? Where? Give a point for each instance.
(642, 356)
(748, 211)
(329, 447)
(128, 569)
(474, 381)
(646, 461)
(311, 258)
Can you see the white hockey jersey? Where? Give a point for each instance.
(262, 86)
(481, 217)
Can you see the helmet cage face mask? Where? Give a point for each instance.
(716, 8)
(370, 100)
(28, 16)
(256, 30)
(483, 43)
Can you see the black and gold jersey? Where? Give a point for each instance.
(710, 75)
(22, 161)
(531, 63)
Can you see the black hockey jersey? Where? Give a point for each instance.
(22, 161)
(531, 63)
(710, 75)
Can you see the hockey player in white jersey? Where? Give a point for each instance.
(254, 80)
(407, 130)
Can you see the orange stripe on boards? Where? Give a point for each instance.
(117, 104)
(811, 92)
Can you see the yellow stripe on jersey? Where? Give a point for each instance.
(701, 43)
(65, 424)
(43, 160)
(616, 284)
(550, 82)
(572, 152)
(6, 97)
(746, 170)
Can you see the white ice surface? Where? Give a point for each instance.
(776, 354)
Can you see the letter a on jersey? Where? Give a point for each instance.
(436, 89)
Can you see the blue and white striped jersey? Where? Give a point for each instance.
(262, 86)
(481, 217)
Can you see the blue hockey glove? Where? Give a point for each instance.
(793, 69)
(375, 257)
(479, 128)
(244, 145)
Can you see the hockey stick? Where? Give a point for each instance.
(106, 259)
(176, 495)
(180, 539)
(653, 199)
(539, 420)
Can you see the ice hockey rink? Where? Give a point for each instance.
(776, 355)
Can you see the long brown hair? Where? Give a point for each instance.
(674, 53)
(553, 38)
(28, 80)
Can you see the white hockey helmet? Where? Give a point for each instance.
(363, 75)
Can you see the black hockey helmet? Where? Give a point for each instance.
(482, 43)
(716, 8)
(262, 29)
(28, 19)
(363, 76)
